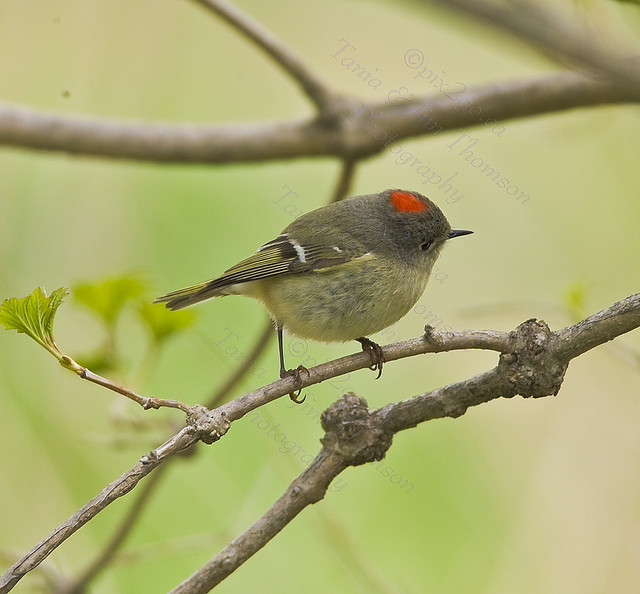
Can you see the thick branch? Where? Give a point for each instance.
(349, 138)
(599, 328)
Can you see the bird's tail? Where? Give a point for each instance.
(190, 295)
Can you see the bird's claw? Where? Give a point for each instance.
(375, 352)
(295, 395)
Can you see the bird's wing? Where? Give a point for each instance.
(283, 255)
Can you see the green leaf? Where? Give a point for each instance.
(107, 298)
(162, 322)
(33, 315)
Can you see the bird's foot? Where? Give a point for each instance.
(295, 395)
(375, 352)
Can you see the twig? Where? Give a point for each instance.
(312, 86)
(145, 402)
(199, 143)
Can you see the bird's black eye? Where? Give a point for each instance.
(426, 245)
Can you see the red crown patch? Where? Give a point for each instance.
(405, 202)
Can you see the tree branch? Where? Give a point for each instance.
(348, 138)
(145, 402)
(310, 84)
(599, 328)
(100, 563)
(343, 186)
(554, 32)
(532, 363)
(306, 489)
(118, 488)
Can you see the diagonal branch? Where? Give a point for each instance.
(312, 86)
(101, 562)
(553, 31)
(306, 489)
(118, 488)
(350, 138)
(597, 329)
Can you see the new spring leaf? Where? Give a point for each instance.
(33, 315)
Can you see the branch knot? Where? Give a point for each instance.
(531, 368)
(353, 433)
(209, 425)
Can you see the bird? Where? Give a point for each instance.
(338, 273)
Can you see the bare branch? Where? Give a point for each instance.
(312, 86)
(431, 342)
(599, 328)
(118, 488)
(145, 402)
(503, 101)
(554, 32)
(349, 138)
(100, 563)
(308, 488)
(532, 363)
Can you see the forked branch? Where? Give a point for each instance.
(532, 363)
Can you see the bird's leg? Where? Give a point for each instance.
(375, 352)
(284, 372)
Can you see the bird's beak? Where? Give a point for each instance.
(458, 233)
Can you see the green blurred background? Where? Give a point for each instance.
(516, 496)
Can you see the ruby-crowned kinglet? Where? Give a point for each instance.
(341, 272)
